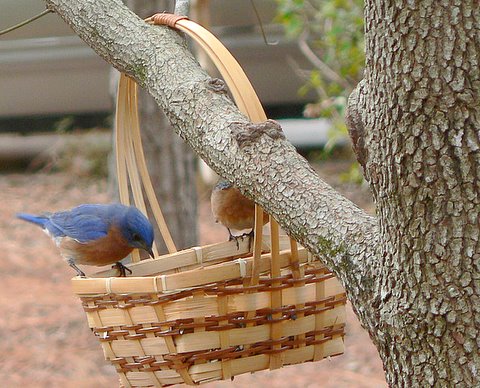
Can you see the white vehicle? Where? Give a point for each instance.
(46, 69)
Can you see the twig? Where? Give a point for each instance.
(317, 62)
(303, 74)
(261, 26)
(319, 90)
(25, 22)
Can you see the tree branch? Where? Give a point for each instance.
(25, 22)
(267, 169)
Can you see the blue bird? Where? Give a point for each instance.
(95, 234)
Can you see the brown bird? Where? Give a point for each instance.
(232, 209)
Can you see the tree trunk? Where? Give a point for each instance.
(171, 162)
(412, 274)
(419, 107)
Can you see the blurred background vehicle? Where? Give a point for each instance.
(50, 80)
(45, 69)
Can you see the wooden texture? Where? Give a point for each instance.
(132, 169)
(201, 334)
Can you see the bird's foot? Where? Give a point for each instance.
(79, 272)
(122, 269)
(250, 236)
(236, 238)
(241, 237)
(232, 237)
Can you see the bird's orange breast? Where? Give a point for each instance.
(232, 209)
(106, 250)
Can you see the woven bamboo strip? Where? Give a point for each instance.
(176, 281)
(221, 272)
(294, 259)
(160, 317)
(224, 335)
(123, 121)
(128, 143)
(298, 272)
(212, 371)
(137, 150)
(276, 359)
(130, 162)
(250, 335)
(153, 378)
(250, 302)
(140, 379)
(147, 285)
(188, 258)
(128, 358)
(257, 251)
(132, 169)
(132, 121)
(113, 317)
(293, 356)
(125, 348)
(257, 244)
(207, 306)
(258, 238)
(320, 293)
(200, 321)
(121, 117)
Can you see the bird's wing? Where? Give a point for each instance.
(79, 225)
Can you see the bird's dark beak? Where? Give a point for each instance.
(150, 252)
(143, 246)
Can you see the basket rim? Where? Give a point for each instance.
(187, 271)
(240, 268)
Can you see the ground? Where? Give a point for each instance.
(44, 338)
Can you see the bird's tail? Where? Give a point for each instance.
(38, 220)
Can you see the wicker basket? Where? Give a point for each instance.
(212, 312)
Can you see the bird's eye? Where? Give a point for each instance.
(136, 237)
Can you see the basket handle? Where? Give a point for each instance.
(130, 158)
(248, 103)
(131, 165)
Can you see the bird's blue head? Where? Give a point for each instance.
(137, 230)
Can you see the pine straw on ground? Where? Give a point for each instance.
(44, 338)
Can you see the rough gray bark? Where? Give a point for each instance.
(171, 162)
(418, 110)
(413, 275)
